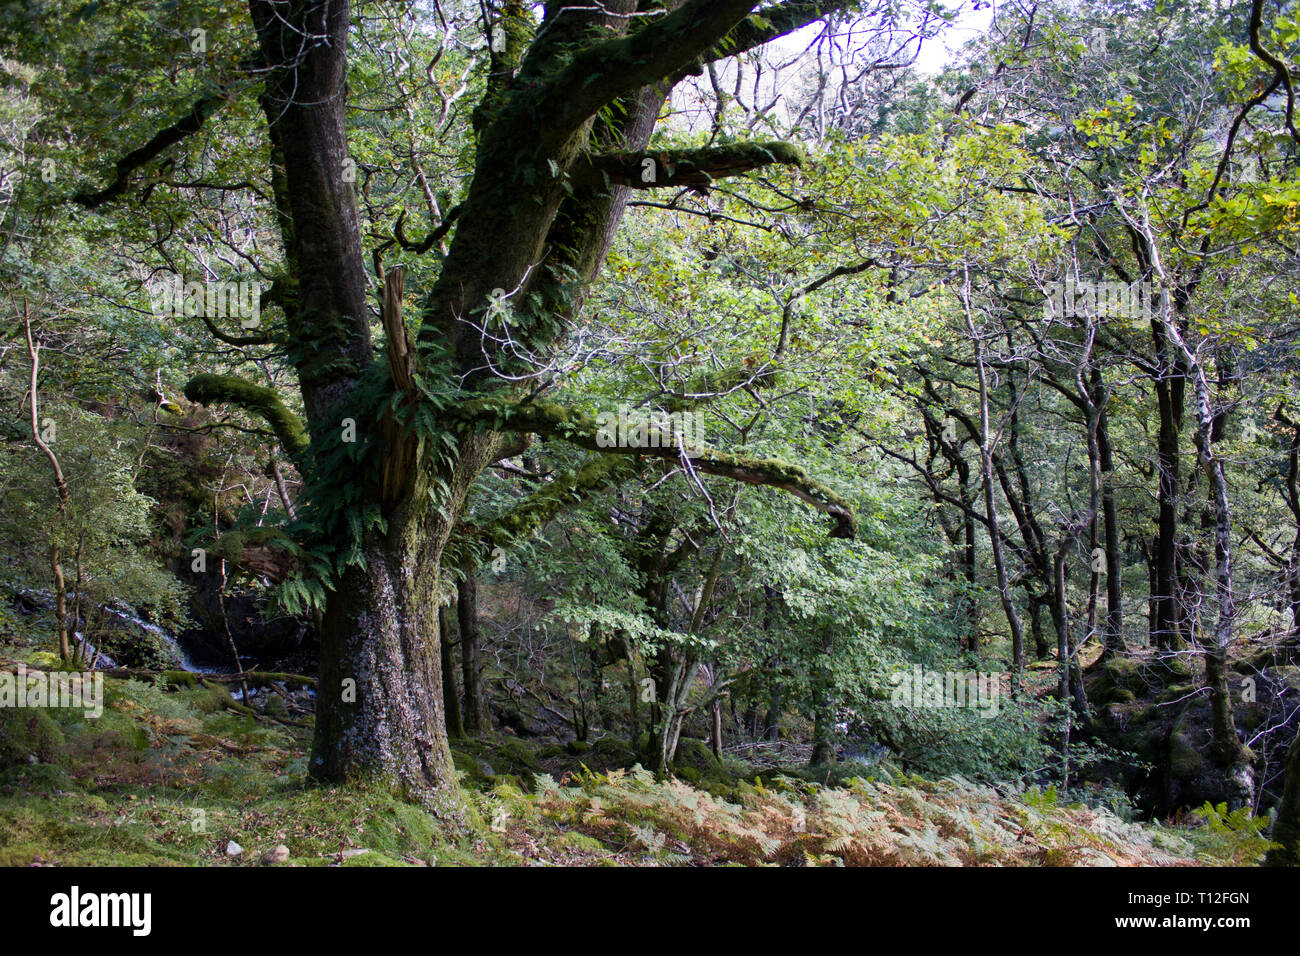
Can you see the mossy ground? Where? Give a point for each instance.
(169, 776)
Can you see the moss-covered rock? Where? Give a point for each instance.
(1185, 761)
(28, 736)
(696, 754)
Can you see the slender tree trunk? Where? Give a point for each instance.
(990, 498)
(1113, 632)
(1063, 665)
(450, 695)
(60, 487)
(715, 739)
(60, 601)
(477, 720)
(1228, 750)
(1166, 631)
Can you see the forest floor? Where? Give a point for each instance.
(185, 776)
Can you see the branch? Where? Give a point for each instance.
(259, 400)
(770, 23)
(1280, 69)
(187, 125)
(578, 428)
(692, 168)
(602, 73)
(557, 495)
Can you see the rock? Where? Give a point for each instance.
(279, 855)
(233, 849)
(356, 851)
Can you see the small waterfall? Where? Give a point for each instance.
(92, 652)
(126, 613)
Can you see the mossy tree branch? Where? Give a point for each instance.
(770, 23)
(187, 125)
(260, 400)
(561, 493)
(604, 71)
(692, 168)
(558, 421)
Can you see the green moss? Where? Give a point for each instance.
(1185, 760)
(209, 389)
(1175, 692)
(574, 840)
(27, 734)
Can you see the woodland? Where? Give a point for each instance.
(650, 432)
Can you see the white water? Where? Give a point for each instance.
(125, 613)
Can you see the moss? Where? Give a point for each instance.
(574, 840)
(1175, 692)
(695, 754)
(1161, 670)
(1116, 676)
(1185, 761)
(208, 699)
(29, 733)
(209, 389)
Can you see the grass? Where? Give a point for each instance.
(170, 777)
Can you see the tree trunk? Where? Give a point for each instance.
(1228, 750)
(990, 499)
(477, 719)
(450, 695)
(379, 712)
(715, 738)
(1166, 629)
(1113, 631)
(1286, 830)
(1041, 647)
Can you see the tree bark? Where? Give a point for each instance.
(477, 719)
(990, 497)
(450, 694)
(1286, 830)
(1113, 632)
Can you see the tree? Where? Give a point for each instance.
(391, 446)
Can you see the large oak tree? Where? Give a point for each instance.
(392, 444)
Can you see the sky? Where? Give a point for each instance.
(935, 53)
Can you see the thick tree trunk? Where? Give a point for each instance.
(1041, 647)
(823, 751)
(380, 705)
(379, 712)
